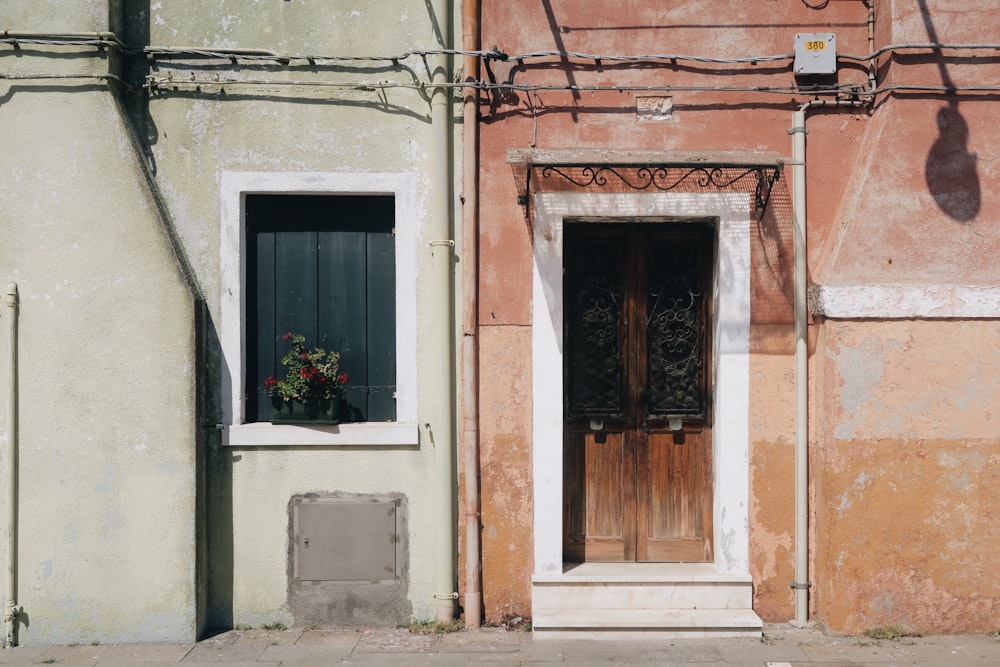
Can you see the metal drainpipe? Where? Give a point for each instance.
(11, 608)
(801, 279)
(473, 599)
(439, 303)
(801, 583)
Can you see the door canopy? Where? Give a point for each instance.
(540, 170)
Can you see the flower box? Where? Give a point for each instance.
(319, 412)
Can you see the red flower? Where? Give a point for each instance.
(287, 336)
(342, 378)
(270, 381)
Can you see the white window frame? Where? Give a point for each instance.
(234, 187)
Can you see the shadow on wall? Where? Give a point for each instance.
(951, 169)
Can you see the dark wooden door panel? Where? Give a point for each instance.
(598, 501)
(673, 490)
(637, 339)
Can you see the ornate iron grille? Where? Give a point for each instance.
(594, 296)
(674, 330)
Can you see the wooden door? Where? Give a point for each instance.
(637, 447)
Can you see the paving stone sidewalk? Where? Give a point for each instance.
(782, 646)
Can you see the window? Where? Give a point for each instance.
(323, 266)
(362, 228)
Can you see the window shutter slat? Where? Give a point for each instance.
(381, 326)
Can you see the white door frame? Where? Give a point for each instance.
(731, 355)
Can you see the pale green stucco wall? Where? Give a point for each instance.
(107, 370)
(198, 135)
(110, 433)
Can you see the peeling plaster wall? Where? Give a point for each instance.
(901, 203)
(905, 410)
(909, 465)
(106, 361)
(507, 498)
(700, 121)
(920, 208)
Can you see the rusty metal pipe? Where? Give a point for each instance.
(473, 598)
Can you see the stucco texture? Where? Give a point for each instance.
(197, 133)
(907, 475)
(264, 480)
(772, 468)
(106, 380)
(505, 455)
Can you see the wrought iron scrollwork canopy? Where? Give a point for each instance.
(547, 171)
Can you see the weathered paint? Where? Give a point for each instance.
(900, 214)
(772, 482)
(507, 505)
(909, 473)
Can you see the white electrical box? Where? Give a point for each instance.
(815, 53)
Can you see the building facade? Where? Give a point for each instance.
(184, 186)
(669, 320)
(646, 393)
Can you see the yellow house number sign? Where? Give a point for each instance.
(815, 53)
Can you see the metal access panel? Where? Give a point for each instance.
(815, 53)
(345, 539)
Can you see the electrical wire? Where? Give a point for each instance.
(851, 91)
(109, 40)
(46, 77)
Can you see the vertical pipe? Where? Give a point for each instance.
(10, 601)
(801, 369)
(439, 302)
(470, 315)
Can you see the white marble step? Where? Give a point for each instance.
(624, 624)
(642, 586)
(642, 595)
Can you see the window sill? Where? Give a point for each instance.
(264, 434)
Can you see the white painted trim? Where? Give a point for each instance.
(731, 338)
(264, 434)
(234, 188)
(905, 301)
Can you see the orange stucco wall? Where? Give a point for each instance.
(908, 466)
(905, 416)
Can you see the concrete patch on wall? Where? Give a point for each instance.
(352, 603)
(861, 370)
(914, 379)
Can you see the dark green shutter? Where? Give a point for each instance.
(323, 266)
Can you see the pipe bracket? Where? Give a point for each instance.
(800, 585)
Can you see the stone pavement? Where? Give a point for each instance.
(782, 646)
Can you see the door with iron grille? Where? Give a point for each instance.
(637, 447)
